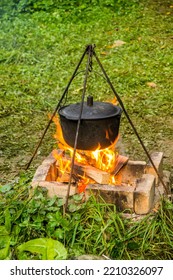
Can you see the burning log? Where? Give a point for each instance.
(64, 162)
(96, 174)
(64, 178)
(120, 162)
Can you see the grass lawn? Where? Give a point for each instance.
(38, 53)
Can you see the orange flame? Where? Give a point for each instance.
(82, 184)
(59, 135)
(104, 159)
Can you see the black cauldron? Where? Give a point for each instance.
(99, 125)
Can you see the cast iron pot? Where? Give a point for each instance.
(99, 124)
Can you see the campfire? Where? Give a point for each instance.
(87, 159)
(128, 184)
(97, 166)
(101, 171)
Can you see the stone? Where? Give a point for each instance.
(132, 171)
(144, 194)
(45, 177)
(47, 171)
(134, 190)
(157, 158)
(50, 159)
(121, 196)
(41, 173)
(56, 188)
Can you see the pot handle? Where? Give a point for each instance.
(90, 100)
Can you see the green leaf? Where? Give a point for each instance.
(133, 245)
(4, 247)
(78, 197)
(3, 231)
(59, 233)
(5, 188)
(73, 207)
(49, 249)
(52, 201)
(7, 220)
(60, 202)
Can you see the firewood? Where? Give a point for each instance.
(121, 161)
(96, 174)
(64, 178)
(101, 177)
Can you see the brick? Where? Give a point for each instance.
(121, 196)
(41, 173)
(49, 160)
(56, 188)
(144, 194)
(47, 171)
(132, 171)
(157, 158)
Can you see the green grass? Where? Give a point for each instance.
(38, 54)
(87, 228)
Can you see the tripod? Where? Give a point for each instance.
(90, 52)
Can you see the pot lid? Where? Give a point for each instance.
(91, 110)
